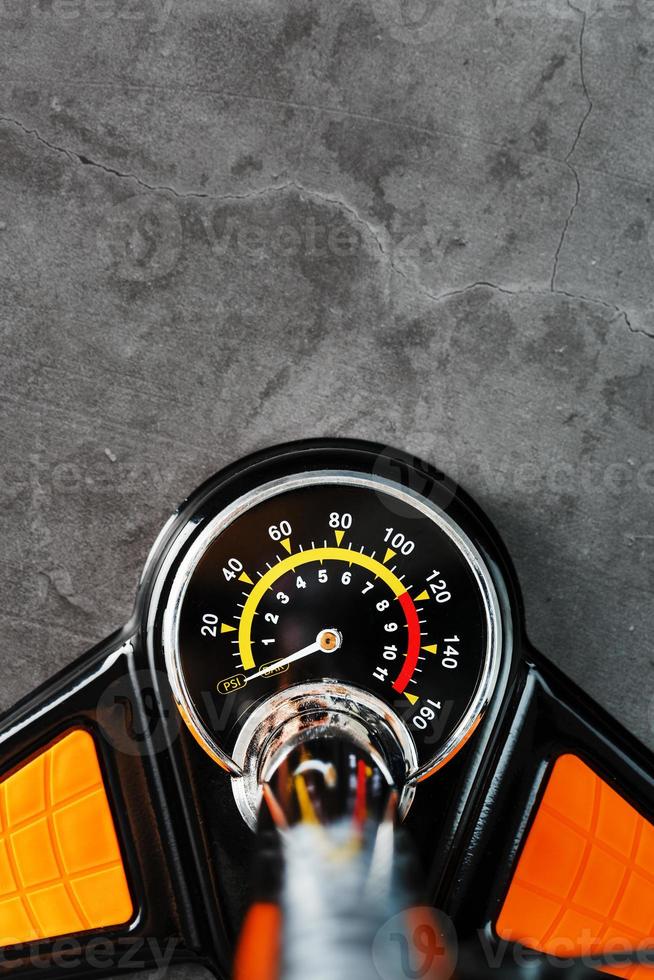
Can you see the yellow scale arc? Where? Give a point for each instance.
(290, 564)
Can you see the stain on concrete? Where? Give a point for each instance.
(632, 394)
(505, 167)
(367, 155)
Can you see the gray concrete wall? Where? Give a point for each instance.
(226, 223)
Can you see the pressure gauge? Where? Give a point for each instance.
(335, 581)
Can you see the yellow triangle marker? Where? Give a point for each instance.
(412, 698)
(423, 595)
(244, 577)
(339, 536)
(286, 543)
(389, 554)
(431, 649)
(226, 628)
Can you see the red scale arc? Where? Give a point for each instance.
(413, 644)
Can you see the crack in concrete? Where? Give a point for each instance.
(577, 297)
(566, 225)
(568, 157)
(378, 235)
(479, 284)
(643, 333)
(33, 132)
(85, 161)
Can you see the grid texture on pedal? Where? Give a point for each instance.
(61, 869)
(584, 883)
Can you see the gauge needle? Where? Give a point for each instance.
(327, 640)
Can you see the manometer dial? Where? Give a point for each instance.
(342, 578)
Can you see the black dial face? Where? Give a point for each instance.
(336, 578)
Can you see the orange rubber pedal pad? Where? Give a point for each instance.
(61, 869)
(584, 884)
